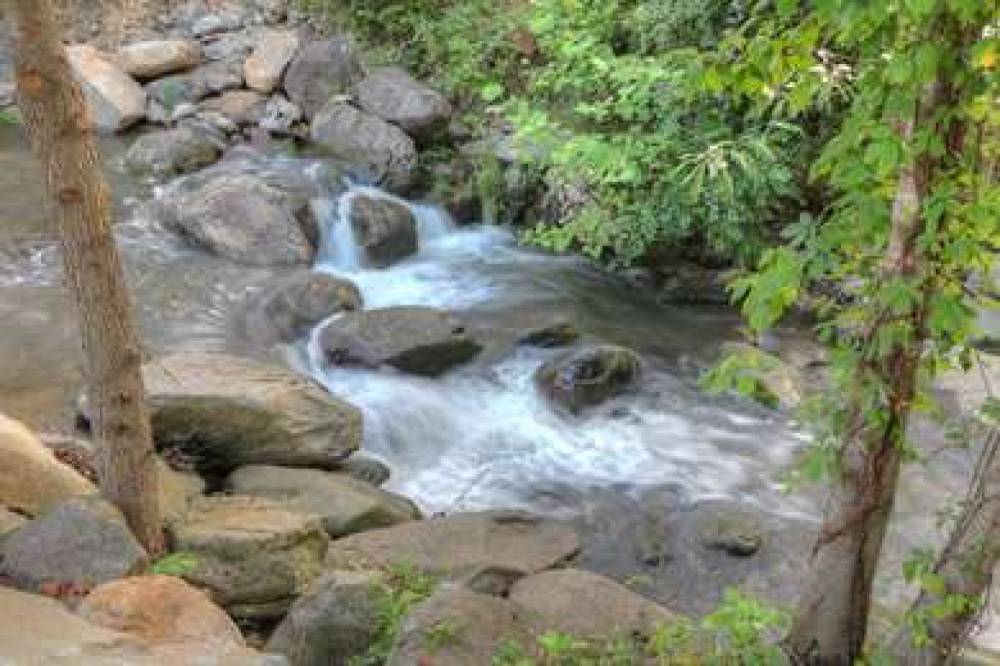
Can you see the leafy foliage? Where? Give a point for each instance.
(10, 117)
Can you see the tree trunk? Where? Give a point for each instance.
(965, 566)
(59, 128)
(832, 617)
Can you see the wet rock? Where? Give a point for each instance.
(150, 59)
(366, 141)
(272, 53)
(480, 624)
(336, 619)
(345, 504)
(163, 610)
(80, 541)
(256, 557)
(384, 228)
(280, 115)
(586, 377)
(555, 333)
(727, 527)
(31, 478)
(115, 100)
(241, 217)
(224, 412)
(171, 152)
(242, 107)
(557, 599)
(288, 309)
(192, 87)
(321, 70)
(460, 544)
(393, 95)
(422, 341)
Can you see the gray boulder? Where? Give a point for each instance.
(288, 309)
(384, 228)
(192, 87)
(150, 59)
(321, 70)
(242, 217)
(367, 141)
(336, 619)
(586, 377)
(418, 340)
(80, 541)
(728, 527)
(461, 544)
(393, 95)
(224, 412)
(242, 107)
(255, 557)
(171, 152)
(345, 504)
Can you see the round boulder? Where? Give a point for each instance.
(586, 377)
(321, 70)
(418, 340)
(393, 95)
(289, 309)
(171, 152)
(384, 228)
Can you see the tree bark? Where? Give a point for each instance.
(965, 566)
(59, 128)
(832, 617)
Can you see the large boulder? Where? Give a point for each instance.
(241, 217)
(393, 95)
(384, 150)
(256, 557)
(150, 59)
(192, 87)
(31, 478)
(291, 307)
(321, 70)
(272, 53)
(38, 630)
(477, 626)
(586, 377)
(418, 340)
(224, 412)
(336, 619)
(83, 541)
(164, 611)
(346, 504)
(461, 544)
(115, 100)
(586, 605)
(171, 152)
(384, 228)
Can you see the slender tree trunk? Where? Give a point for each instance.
(832, 616)
(59, 128)
(965, 566)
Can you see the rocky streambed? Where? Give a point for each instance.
(348, 371)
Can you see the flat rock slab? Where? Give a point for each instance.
(460, 544)
(225, 411)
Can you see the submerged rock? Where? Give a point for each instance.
(555, 333)
(224, 412)
(336, 619)
(150, 59)
(728, 527)
(115, 100)
(346, 504)
(321, 70)
(393, 95)
(384, 150)
(384, 228)
(422, 341)
(78, 542)
(31, 478)
(460, 544)
(586, 377)
(290, 308)
(255, 556)
(172, 152)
